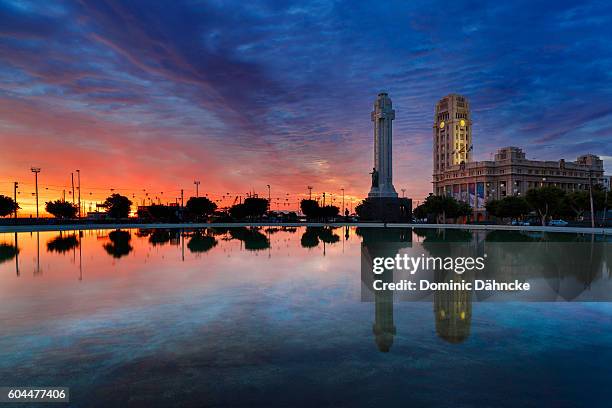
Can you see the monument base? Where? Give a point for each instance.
(386, 209)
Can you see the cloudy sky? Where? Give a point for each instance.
(153, 95)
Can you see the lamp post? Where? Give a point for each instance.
(79, 188)
(197, 184)
(15, 186)
(269, 198)
(591, 200)
(36, 170)
(342, 200)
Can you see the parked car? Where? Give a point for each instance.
(557, 223)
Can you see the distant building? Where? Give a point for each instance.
(97, 215)
(510, 173)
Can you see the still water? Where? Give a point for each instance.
(275, 317)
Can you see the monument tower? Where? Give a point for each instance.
(382, 203)
(382, 173)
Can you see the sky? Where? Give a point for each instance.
(146, 97)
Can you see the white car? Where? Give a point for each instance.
(557, 223)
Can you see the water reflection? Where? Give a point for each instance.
(568, 273)
(453, 309)
(252, 238)
(382, 243)
(313, 235)
(63, 243)
(201, 243)
(8, 251)
(119, 244)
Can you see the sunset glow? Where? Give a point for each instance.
(280, 94)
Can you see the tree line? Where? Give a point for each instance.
(545, 203)
(117, 206)
(550, 202)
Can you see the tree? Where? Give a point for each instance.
(508, 207)
(310, 208)
(577, 202)
(200, 207)
(492, 207)
(329, 211)
(117, 206)
(7, 206)
(463, 209)
(61, 209)
(253, 207)
(421, 211)
(238, 211)
(161, 212)
(546, 201)
(256, 207)
(442, 207)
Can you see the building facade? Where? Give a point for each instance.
(510, 173)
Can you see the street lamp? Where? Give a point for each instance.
(197, 184)
(79, 188)
(15, 187)
(269, 198)
(591, 200)
(36, 170)
(343, 209)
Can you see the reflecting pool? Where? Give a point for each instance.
(274, 316)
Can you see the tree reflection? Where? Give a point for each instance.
(252, 238)
(201, 243)
(63, 243)
(312, 236)
(7, 252)
(165, 236)
(120, 243)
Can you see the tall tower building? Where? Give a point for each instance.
(452, 133)
(382, 177)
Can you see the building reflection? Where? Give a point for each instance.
(570, 264)
(453, 308)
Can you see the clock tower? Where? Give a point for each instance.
(452, 133)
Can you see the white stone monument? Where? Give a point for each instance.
(382, 173)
